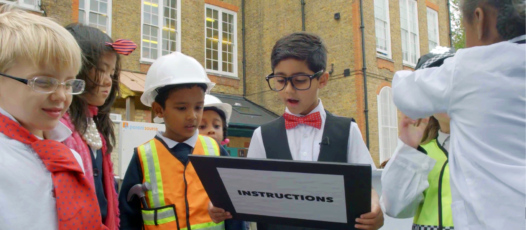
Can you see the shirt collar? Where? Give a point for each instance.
(60, 133)
(171, 143)
(318, 108)
(519, 38)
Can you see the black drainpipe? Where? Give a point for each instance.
(244, 52)
(449, 15)
(364, 72)
(303, 15)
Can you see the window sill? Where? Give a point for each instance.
(224, 80)
(385, 63)
(146, 62)
(409, 67)
(384, 57)
(224, 75)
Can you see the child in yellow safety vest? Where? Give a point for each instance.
(415, 181)
(175, 88)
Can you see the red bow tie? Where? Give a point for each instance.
(123, 46)
(76, 202)
(313, 119)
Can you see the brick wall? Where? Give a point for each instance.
(343, 95)
(266, 22)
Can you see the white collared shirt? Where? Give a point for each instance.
(405, 178)
(171, 143)
(26, 187)
(483, 91)
(304, 142)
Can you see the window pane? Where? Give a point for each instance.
(82, 16)
(104, 8)
(172, 24)
(94, 5)
(208, 64)
(224, 67)
(215, 55)
(81, 4)
(172, 36)
(102, 20)
(165, 44)
(173, 47)
(147, 19)
(230, 68)
(172, 3)
(93, 18)
(209, 13)
(224, 56)
(145, 52)
(155, 20)
(215, 65)
(154, 53)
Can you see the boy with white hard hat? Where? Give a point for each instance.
(216, 117)
(175, 88)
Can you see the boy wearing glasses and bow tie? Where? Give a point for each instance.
(43, 182)
(306, 131)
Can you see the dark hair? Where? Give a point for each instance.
(92, 42)
(164, 92)
(223, 118)
(510, 18)
(301, 46)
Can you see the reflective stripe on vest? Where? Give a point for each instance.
(429, 227)
(162, 203)
(437, 197)
(163, 216)
(209, 147)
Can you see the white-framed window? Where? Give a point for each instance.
(387, 123)
(160, 31)
(220, 41)
(96, 13)
(410, 38)
(383, 28)
(432, 28)
(24, 4)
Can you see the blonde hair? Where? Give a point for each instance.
(38, 40)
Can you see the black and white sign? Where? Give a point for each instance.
(309, 194)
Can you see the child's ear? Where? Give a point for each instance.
(158, 109)
(324, 78)
(478, 20)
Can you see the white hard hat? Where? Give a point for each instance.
(173, 69)
(211, 101)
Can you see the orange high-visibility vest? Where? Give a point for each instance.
(174, 186)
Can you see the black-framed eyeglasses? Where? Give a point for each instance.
(299, 81)
(49, 85)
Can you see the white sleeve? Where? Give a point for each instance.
(424, 92)
(78, 158)
(256, 148)
(404, 180)
(357, 151)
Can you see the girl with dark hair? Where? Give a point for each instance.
(482, 89)
(88, 116)
(216, 116)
